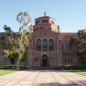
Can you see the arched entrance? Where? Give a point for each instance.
(44, 60)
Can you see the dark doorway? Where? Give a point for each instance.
(44, 60)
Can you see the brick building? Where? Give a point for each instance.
(48, 46)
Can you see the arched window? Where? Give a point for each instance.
(38, 44)
(45, 44)
(51, 44)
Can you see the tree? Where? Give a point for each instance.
(18, 41)
(7, 29)
(78, 44)
(8, 44)
(24, 19)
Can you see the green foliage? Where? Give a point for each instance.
(79, 43)
(7, 53)
(7, 29)
(24, 19)
(18, 41)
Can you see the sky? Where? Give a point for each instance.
(69, 14)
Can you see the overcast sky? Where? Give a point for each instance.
(69, 14)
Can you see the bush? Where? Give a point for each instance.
(67, 67)
(12, 67)
(70, 67)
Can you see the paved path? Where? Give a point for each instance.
(43, 78)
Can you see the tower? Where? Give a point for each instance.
(43, 49)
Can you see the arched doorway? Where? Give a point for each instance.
(44, 60)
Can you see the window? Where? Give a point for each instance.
(38, 44)
(35, 59)
(68, 60)
(66, 45)
(44, 21)
(37, 22)
(45, 44)
(65, 60)
(51, 44)
(71, 60)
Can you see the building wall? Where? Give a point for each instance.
(46, 28)
(61, 55)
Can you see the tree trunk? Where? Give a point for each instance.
(18, 66)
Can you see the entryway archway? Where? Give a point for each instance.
(44, 60)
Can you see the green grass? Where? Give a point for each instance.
(81, 72)
(4, 72)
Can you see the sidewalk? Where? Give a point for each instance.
(43, 78)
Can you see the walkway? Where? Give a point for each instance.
(43, 78)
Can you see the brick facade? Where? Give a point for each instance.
(45, 53)
(48, 46)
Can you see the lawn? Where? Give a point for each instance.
(81, 72)
(4, 72)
